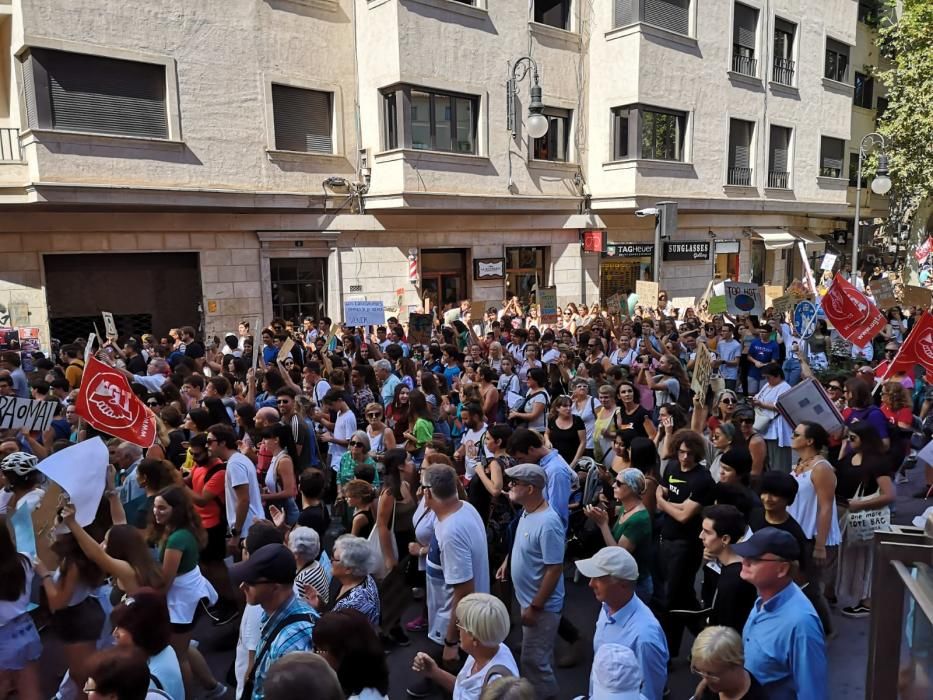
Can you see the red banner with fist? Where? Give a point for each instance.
(109, 405)
(852, 314)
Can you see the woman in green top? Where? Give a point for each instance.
(632, 528)
(357, 455)
(420, 426)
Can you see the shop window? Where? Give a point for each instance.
(525, 270)
(298, 286)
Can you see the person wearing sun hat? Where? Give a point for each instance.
(784, 644)
(624, 619)
(616, 674)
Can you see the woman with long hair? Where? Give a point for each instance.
(897, 407)
(604, 428)
(397, 412)
(420, 426)
(246, 424)
(565, 431)
(361, 497)
(669, 382)
(428, 383)
(279, 486)
(348, 642)
(153, 475)
(20, 646)
(776, 430)
(863, 484)
(671, 419)
(216, 411)
(632, 420)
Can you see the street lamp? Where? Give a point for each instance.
(880, 184)
(537, 123)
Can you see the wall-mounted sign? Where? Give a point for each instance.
(594, 241)
(685, 250)
(629, 250)
(488, 268)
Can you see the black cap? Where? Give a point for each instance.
(271, 563)
(769, 540)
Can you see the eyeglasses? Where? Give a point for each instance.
(374, 415)
(211, 439)
(282, 403)
(152, 403)
(704, 674)
(727, 400)
(747, 421)
(834, 387)
(757, 560)
(356, 443)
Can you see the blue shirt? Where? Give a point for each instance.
(387, 392)
(559, 480)
(295, 637)
(635, 626)
(784, 646)
(729, 350)
(539, 542)
(763, 352)
(269, 353)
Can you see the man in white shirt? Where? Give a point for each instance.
(242, 497)
(549, 353)
(473, 438)
(344, 426)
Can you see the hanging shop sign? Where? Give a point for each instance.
(675, 251)
(629, 250)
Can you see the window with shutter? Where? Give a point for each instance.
(303, 119)
(837, 61)
(95, 94)
(626, 12)
(831, 156)
(744, 33)
(740, 146)
(669, 14)
(778, 157)
(783, 68)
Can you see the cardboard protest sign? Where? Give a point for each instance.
(829, 259)
(744, 298)
(883, 292)
(109, 405)
(783, 304)
(702, 369)
(547, 304)
(808, 401)
(917, 296)
(614, 304)
(81, 471)
(717, 305)
(647, 293)
(856, 318)
(682, 302)
(110, 326)
(363, 312)
(286, 350)
(772, 292)
(419, 328)
(26, 413)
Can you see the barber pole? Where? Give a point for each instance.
(413, 267)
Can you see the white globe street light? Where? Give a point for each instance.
(882, 183)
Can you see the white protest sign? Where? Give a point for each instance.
(828, 261)
(744, 298)
(25, 413)
(363, 312)
(81, 471)
(702, 369)
(89, 347)
(110, 326)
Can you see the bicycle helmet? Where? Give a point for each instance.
(20, 463)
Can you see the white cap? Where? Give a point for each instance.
(616, 674)
(610, 561)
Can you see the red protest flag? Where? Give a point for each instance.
(109, 405)
(916, 350)
(852, 314)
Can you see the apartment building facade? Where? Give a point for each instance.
(214, 161)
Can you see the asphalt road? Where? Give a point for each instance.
(847, 652)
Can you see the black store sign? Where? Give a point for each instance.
(630, 250)
(686, 250)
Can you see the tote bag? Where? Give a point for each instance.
(377, 563)
(861, 524)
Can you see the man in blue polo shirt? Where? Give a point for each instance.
(784, 645)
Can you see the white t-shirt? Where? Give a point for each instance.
(588, 416)
(344, 427)
(472, 441)
(241, 471)
(470, 687)
(248, 641)
(549, 356)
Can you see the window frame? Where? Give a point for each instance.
(568, 11)
(789, 59)
(635, 140)
(842, 157)
(638, 12)
(790, 157)
(512, 274)
(752, 127)
(740, 52)
(864, 91)
(332, 108)
(402, 131)
(556, 115)
(833, 53)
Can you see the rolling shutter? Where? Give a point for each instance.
(831, 155)
(779, 149)
(626, 12)
(104, 95)
(303, 119)
(740, 139)
(669, 14)
(746, 22)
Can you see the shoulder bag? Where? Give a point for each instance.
(377, 565)
(862, 524)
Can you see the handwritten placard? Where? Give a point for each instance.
(419, 328)
(883, 292)
(917, 296)
(744, 298)
(110, 326)
(547, 303)
(717, 305)
(26, 413)
(364, 312)
(647, 293)
(702, 369)
(682, 302)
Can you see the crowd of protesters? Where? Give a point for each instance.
(356, 487)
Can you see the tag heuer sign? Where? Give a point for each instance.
(630, 250)
(686, 250)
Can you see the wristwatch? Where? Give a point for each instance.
(448, 643)
(234, 532)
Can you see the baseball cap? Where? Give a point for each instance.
(529, 474)
(769, 540)
(866, 368)
(616, 674)
(271, 563)
(610, 561)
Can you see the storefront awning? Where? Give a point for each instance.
(774, 238)
(810, 239)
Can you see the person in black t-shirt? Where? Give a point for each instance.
(685, 489)
(313, 511)
(778, 491)
(728, 596)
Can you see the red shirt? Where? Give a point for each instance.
(211, 513)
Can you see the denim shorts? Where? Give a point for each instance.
(19, 643)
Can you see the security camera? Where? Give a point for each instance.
(651, 211)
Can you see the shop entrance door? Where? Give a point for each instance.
(443, 277)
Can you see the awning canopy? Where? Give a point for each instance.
(810, 238)
(774, 238)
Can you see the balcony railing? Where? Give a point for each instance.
(746, 65)
(778, 179)
(741, 177)
(783, 71)
(9, 146)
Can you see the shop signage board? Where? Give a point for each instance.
(674, 251)
(630, 250)
(488, 269)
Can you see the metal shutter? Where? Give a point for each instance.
(832, 153)
(105, 95)
(781, 25)
(779, 149)
(740, 140)
(29, 88)
(837, 47)
(303, 119)
(626, 12)
(669, 14)
(746, 22)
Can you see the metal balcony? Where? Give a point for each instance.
(783, 72)
(746, 65)
(9, 146)
(741, 177)
(778, 179)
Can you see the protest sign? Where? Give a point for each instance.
(682, 302)
(419, 328)
(547, 304)
(883, 292)
(744, 298)
(110, 326)
(783, 304)
(363, 312)
(9, 339)
(109, 405)
(717, 305)
(856, 318)
(647, 293)
(286, 350)
(81, 471)
(917, 296)
(808, 401)
(614, 305)
(829, 259)
(702, 369)
(26, 413)
(772, 292)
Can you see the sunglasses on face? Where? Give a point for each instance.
(355, 443)
(374, 415)
(727, 400)
(281, 403)
(747, 421)
(833, 387)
